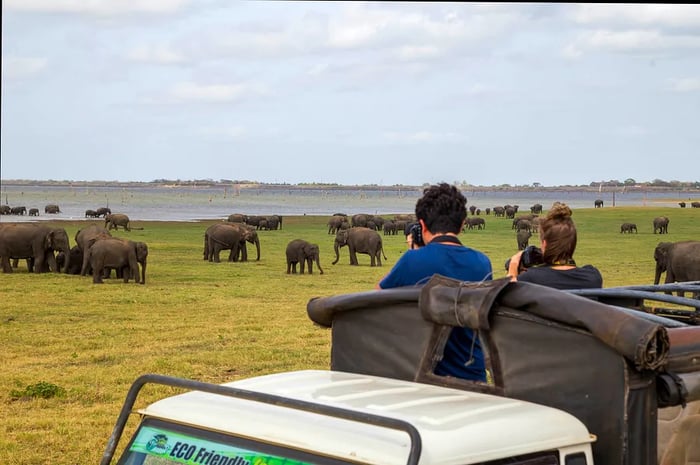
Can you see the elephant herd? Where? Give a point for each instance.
(96, 251)
(22, 210)
(692, 204)
(660, 224)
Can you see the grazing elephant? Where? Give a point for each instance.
(115, 253)
(523, 238)
(510, 212)
(681, 204)
(479, 223)
(84, 238)
(488, 210)
(360, 240)
(359, 220)
(76, 260)
(695, 204)
(536, 208)
(114, 220)
(472, 209)
(237, 218)
(34, 242)
(661, 224)
(103, 211)
(334, 223)
(5, 210)
(598, 203)
(301, 251)
(52, 208)
(499, 211)
(228, 236)
(628, 228)
(141, 258)
(33, 212)
(680, 261)
(91, 214)
(274, 220)
(390, 228)
(18, 210)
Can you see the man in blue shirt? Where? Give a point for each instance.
(441, 213)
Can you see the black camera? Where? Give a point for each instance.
(532, 256)
(414, 230)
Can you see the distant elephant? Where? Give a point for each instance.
(76, 260)
(301, 252)
(499, 211)
(228, 236)
(360, 240)
(32, 241)
(598, 203)
(390, 228)
(103, 211)
(274, 219)
(5, 210)
(91, 214)
(334, 224)
(472, 209)
(359, 220)
(510, 212)
(661, 224)
(536, 208)
(52, 208)
(33, 212)
(628, 228)
(114, 220)
(695, 204)
(681, 204)
(237, 218)
(479, 223)
(84, 238)
(523, 238)
(680, 261)
(488, 210)
(115, 253)
(18, 210)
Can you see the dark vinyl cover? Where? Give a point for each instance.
(542, 345)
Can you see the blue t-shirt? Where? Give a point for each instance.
(463, 356)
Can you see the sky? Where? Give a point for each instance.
(350, 92)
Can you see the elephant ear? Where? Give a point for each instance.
(49, 240)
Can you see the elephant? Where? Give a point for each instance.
(237, 218)
(480, 223)
(478, 211)
(695, 204)
(116, 253)
(536, 208)
(103, 211)
(52, 208)
(141, 258)
(18, 210)
(410, 218)
(628, 228)
(390, 228)
(91, 214)
(680, 261)
(359, 220)
(33, 212)
(523, 238)
(499, 211)
(681, 204)
(510, 212)
(472, 209)
(84, 238)
(76, 260)
(5, 210)
(598, 203)
(661, 224)
(334, 223)
(488, 210)
(301, 251)
(272, 219)
(114, 220)
(254, 220)
(233, 236)
(360, 240)
(35, 242)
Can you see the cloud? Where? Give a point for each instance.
(97, 7)
(629, 41)
(684, 84)
(229, 132)
(191, 92)
(161, 55)
(420, 137)
(630, 130)
(15, 68)
(674, 16)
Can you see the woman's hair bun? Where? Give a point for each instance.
(560, 211)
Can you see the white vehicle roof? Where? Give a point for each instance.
(456, 427)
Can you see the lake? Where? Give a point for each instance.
(194, 203)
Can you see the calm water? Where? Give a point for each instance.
(193, 203)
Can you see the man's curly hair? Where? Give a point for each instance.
(443, 208)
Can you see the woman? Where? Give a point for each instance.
(558, 243)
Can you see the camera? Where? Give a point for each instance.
(532, 256)
(414, 230)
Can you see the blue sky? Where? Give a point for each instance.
(350, 92)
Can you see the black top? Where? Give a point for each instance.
(584, 277)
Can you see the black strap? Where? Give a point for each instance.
(446, 238)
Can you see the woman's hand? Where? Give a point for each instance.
(514, 265)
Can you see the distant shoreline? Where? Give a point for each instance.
(327, 187)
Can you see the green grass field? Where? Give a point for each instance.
(216, 322)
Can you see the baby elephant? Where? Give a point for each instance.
(119, 254)
(523, 237)
(628, 228)
(301, 251)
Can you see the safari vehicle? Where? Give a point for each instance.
(573, 380)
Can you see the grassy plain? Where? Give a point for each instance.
(217, 321)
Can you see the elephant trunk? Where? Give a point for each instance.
(337, 253)
(143, 272)
(657, 275)
(318, 263)
(67, 261)
(257, 247)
